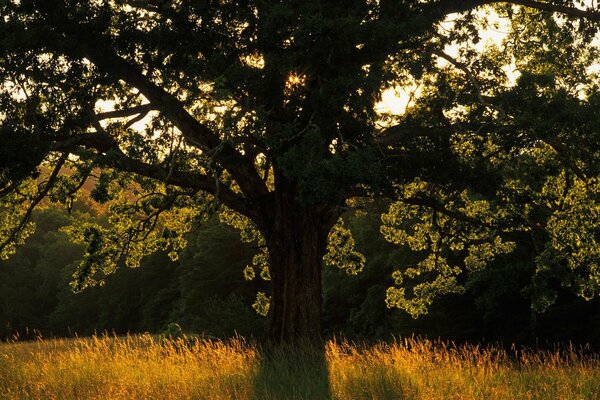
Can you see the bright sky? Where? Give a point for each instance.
(395, 100)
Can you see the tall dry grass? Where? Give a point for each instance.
(144, 367)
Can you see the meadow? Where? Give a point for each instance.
(147, 367)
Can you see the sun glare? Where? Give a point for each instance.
(394, 101)
(295, 81)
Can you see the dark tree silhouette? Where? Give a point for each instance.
(266, 111)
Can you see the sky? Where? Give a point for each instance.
(395, 100)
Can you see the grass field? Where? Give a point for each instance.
(143, 367)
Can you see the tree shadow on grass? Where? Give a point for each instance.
(292, 372)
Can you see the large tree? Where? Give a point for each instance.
(267, 112)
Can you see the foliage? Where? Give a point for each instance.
(205, 292)
(266, 114)
(440, 238)
(341, 251)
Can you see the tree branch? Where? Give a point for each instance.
(34, 202)
(97, 49)
(591, 14)
(195, 133)
(473, 79)
(435, 205)
(128, 112)
(564, 150)
(452, 6)
(398, 133)
(114, 157)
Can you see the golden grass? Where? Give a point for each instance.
(143, 367)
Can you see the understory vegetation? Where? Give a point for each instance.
(205, 292)
(147, 367)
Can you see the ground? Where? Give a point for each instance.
(148, 367)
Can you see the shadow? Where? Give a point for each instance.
(292, 372)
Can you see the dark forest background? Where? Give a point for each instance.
(205, 292)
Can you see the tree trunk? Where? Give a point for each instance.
(296, 246)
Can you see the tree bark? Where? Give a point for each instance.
(296, 249)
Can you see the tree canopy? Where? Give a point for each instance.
(266, 112)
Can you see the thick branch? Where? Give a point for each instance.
(61, 38)
(114, 157)
(195, 133)
(397, 134)
(400, 133)
(435, 205)
(571, 11)
(128, 112)
(473, 79)
(452, 6)
(563, 150)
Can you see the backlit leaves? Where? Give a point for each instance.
(341, 252)
(155, 221)
(448, 245)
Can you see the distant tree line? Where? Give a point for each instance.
(205, 292)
